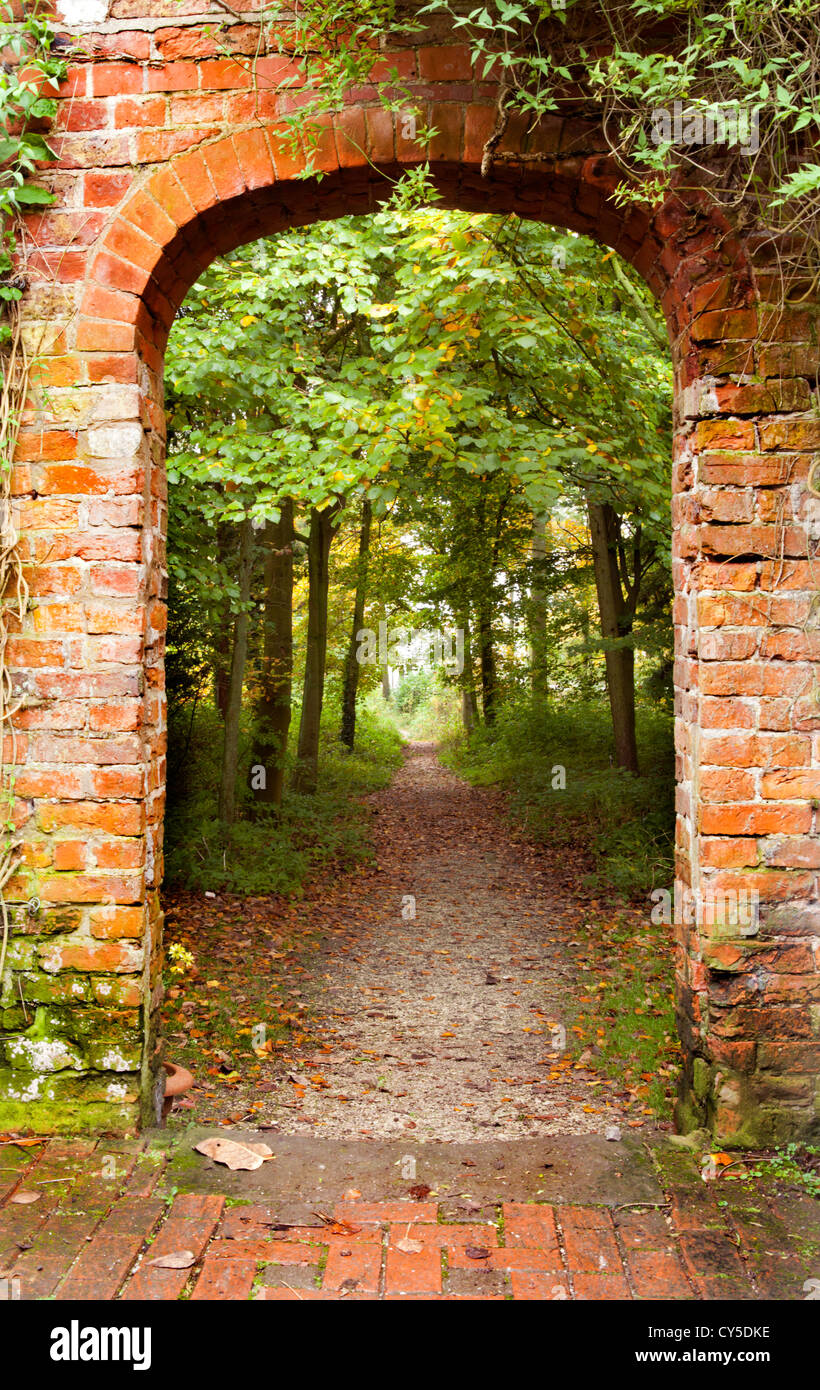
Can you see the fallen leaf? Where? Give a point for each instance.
(23, 1197)
(342, 1228)
(420, 1191)
(234, 1155)
(410, 1247)
(476, 1252)
(176, 1259)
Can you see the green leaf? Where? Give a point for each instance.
(32, 193)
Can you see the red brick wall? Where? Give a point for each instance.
(167, 157)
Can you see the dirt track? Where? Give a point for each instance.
(440, 995)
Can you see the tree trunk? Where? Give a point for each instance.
(239, 656)
(306, 775)
(616, 623)
(538, 611)
(276, 672)
(467, 712)
(386, 691)
(352, 667)
(225, 540)
(588, 672)
(487, 660)
(469, 701)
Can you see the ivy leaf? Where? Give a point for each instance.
(32, 193)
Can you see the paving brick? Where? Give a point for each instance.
(104, 1264)
(759, 1230)
(52, 1253)
(349, 1267)
(251, 1220)
(526, 1224)
(784, 1276)
(91, 1194)
(413, 1273)
(380, 1213)
(592, 1251)
(724, 1288)
(294, 1276)
(584, 1218)
(283, 1294)
(600, 1287)
(189, 1226)
(509, 1257)
(143, 1178)
(800, 1215)
(281, 1252)
(225, 1279)
(477, 1283)
(643, 1230)
(709, 1253)
(445, 1236)
(657, 1274)
(695, 1209)
(531, 1285)
(19, 1226)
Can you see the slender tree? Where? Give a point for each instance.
(538, 609)
(225, 555)
(352, 669)
(273, 707)
(239, 657)
(469, 701)
(617, 610)
(322, 531)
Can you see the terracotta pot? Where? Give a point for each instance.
(177, 1081)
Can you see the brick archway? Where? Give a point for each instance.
(111, 264)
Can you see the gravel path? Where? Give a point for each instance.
(440, 997)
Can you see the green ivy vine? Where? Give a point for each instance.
(33, 65)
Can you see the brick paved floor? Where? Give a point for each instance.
(103, 1218)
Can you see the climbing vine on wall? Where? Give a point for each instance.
(722, 99)
(336, 44)
(33, 65)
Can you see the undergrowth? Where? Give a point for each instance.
(264, 851)
(625, 1025)
(619, 826)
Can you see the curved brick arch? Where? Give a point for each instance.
(236, 189)
(144, 206)
(233, 190)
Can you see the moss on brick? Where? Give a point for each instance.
(60, 1117)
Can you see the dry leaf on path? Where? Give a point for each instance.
(234, 1155)
(342, 1228)
(23, 1197)
(176, 1259)
(410, 1247)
